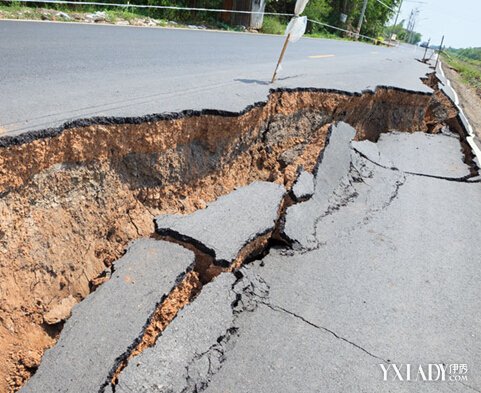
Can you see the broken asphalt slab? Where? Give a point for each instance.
(437, 155)
(229, 223)
(105, 325)
(185, 344)
(333, 166)
(192, 347)
(400, 286)
(365, 182)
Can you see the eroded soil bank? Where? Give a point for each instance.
(72, 198)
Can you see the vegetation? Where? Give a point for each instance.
(330, 11)
(402, 34)
(272, 25)
(344, 14)
(467, 62)
(470, 54)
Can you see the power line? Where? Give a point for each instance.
(385, 5)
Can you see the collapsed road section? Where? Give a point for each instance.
(73, 197)
(208, 336)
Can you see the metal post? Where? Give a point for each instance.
(411, 35)
(395, 22)
(439, 51)
(361, 19)
(409, 27)
(426, 50)
(281, 57)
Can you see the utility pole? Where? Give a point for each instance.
(361, 19)
(395, 22)
(412, 24)
(408, 27)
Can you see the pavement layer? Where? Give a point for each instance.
(425, 154)
(192, 349)
(228, 224)
(392, 280)
(52, 73)
(332, 171)
(397, 285)
(400, 287)
(107, 323)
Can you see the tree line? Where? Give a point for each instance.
(344, 14)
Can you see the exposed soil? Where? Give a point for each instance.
(469, 98)
(72, 198)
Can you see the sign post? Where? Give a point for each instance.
(295, 30)
(426, 50)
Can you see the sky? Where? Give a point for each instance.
(458, 20)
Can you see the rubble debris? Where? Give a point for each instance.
(60, 311)
(303, 187)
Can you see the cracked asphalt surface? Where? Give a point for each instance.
(109, 321)
(229, 223)
(399, 285)
(390, 274)
(384, 263)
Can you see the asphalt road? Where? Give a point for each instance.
(384, 269)
(51, 72)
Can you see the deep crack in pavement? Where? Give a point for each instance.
(198, 348)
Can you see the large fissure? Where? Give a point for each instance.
(73, 197)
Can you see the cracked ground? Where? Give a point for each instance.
(288, 237)
(375, 274)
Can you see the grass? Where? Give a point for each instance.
(121, 14)
(130, 15)
(470, 70)
(17, 11)
(272, 25)
(326, 35)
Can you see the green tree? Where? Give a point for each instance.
(318, 10)
(375, 18)
(402, 34)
